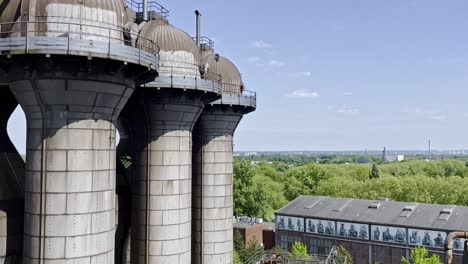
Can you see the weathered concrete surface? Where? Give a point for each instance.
(161, 227)
(213, 185)
(12, 169)
(70, 105)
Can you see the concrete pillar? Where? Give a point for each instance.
(162, 193)
(12, 169)
(70, 106)
(213, 185)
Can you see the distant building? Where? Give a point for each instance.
(255, 230)
(393, 158)
(372, 231)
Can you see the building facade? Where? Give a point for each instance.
(372, 231)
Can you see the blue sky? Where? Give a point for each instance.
(340, 75)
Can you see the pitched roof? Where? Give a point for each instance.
(412, 215)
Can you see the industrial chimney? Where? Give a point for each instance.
(145, 10)
(198, 15)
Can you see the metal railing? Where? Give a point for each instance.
(186, 77)
(245, 98)
(69, 38)
(188, 71)
(205, 43)
(283, 257)
(153, 6)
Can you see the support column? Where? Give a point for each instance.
(12, 169)
(161, 227)
(70, 107)
(213, 205)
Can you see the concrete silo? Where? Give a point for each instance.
(72, 67)
(168, 109)
(213, 163)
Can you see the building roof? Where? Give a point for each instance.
(412, 215)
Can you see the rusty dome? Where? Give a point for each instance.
(179, 54)
(9, 14)
(90, 18)
(215, 66)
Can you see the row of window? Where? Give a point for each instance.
(389, 234)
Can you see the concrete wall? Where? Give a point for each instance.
(70, 177)
(12, 169)
(162, 195)
(213, 185)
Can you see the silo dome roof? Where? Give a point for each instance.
(216, 66)
(176, 46)
(10, 12)
(105, 13)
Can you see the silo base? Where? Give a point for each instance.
(161, 227)
(70, 106)
(213, 185)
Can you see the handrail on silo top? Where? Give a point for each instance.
(71, 31)
(153, 6)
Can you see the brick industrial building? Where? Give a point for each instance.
(372, 231)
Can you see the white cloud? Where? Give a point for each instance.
(347, 111)
(301, 74)
(262, 44)
(277, 63)
(438, 117)
(347, 93)
(304, 94)
(433, 114)
(253, 59)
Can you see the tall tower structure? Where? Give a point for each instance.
(162, 121)
(72, 66)
(213, 203)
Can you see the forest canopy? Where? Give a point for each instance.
(264, 187)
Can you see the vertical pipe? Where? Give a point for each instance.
(198, 14)
(145, 10)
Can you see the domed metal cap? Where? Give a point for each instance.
(216, 66)
(178, 53)
(91, 19)
(106, 13)
(9, 14)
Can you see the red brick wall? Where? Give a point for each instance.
(268, 238)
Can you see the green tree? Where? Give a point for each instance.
(236, 257)
(239, 243)
(419, 255)
(374, 173)
(253, 249)
(343, 256)
(249, 199)
(299, 251)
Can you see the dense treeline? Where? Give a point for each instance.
(263, 188)
(298, 159)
